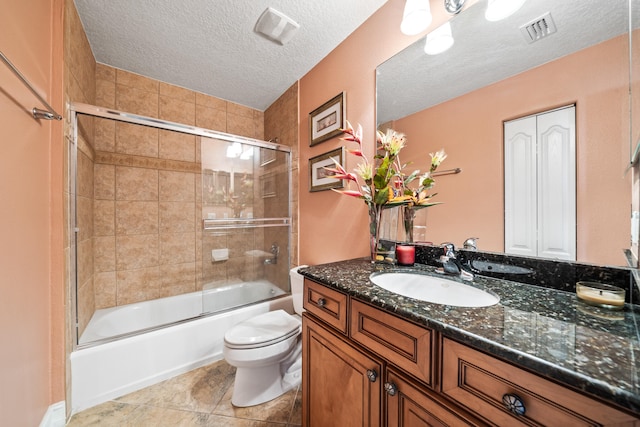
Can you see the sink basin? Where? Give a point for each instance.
(437, 290)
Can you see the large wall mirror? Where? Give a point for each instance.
(459, 100)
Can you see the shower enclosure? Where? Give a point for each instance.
(171, 222)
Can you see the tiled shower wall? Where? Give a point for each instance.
(148, 187)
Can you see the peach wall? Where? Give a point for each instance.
(470, 130)
(332, 226)
(31, 359)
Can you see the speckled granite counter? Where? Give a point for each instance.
(545, 330)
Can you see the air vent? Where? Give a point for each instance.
(539, 28)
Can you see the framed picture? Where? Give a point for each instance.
(319, 178)
(267, 155)
(326, 121)
(268, 185)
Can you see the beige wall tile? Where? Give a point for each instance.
(177, 146)
(177, 92)
(211, 118)
(177, 248)
(105, 289)
(211, 101)
(136, 101)
(136, 184)
(177, 186)
(239, 110)
(104, 255)
(105, 72)
(138, 285)
(84, 217)
(136, 81)
(84, 176)
(136, 139)
(134, 252)
(176, 110)
(85, 260)
(105, 136)
(104, 218)
(136, 217)
(177, 279)
(105, 94)
(86, 304)
(177, 217)
(241, 125)
(105, 182)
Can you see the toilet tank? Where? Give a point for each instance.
(297, 283)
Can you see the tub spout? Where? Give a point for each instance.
(275, 250)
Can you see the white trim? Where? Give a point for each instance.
(55, 416)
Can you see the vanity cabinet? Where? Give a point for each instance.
(363, 366)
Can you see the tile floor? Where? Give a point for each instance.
(201, 397)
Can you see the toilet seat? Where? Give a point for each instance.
(263, 330)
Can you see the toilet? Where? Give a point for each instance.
(267, 351)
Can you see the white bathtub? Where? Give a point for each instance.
(112, 369)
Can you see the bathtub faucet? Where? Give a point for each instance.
(275, 250)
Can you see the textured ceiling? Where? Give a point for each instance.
(487, 52)
(209, 45)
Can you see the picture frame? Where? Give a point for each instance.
(267, 155)
(268, 185)
(319, 178)
(328, 120)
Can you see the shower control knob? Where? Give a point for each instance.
(321, 302)
(372, 375)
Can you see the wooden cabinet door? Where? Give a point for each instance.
(340, 384)
(409, 405)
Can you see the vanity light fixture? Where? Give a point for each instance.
(454, 6)
(439, 40)
(416, 17)
(500, 9)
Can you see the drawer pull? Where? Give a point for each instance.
(372, 375)
(321, 302)
(390, 388)
(514, 404)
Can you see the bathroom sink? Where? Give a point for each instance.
(437, 290)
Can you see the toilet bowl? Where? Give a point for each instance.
(267, 352)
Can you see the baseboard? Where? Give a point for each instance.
(55, 416)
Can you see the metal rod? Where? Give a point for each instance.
(447, 172)
(50, 114)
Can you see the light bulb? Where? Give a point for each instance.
(416, 17)
(439, 40)
(500, 9)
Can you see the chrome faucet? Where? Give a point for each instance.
(450, 264)
(275, 250)
(471, 244)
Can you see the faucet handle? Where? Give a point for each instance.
(449, 249)
(471, 243)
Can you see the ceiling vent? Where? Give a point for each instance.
(538, 28)
(276, 26)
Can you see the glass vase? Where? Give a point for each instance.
(382, 247)
(413, 223)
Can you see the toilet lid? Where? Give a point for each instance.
(264, 329)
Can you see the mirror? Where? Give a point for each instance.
(459, 100)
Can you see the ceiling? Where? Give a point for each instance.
(210, 46)
(487, 52)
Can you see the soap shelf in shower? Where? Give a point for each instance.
(236, 223)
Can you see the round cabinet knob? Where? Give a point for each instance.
(390, 388)
(372, 375)
(321, 302)
(514, 404)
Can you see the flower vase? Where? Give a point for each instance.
(414, 223)
(381, 252)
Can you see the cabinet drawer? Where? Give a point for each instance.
(326, 304)
(402, 343)
(479, 382)
(410, 404)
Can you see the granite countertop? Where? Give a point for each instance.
(546, 331)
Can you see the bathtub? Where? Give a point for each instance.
(114, 368)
